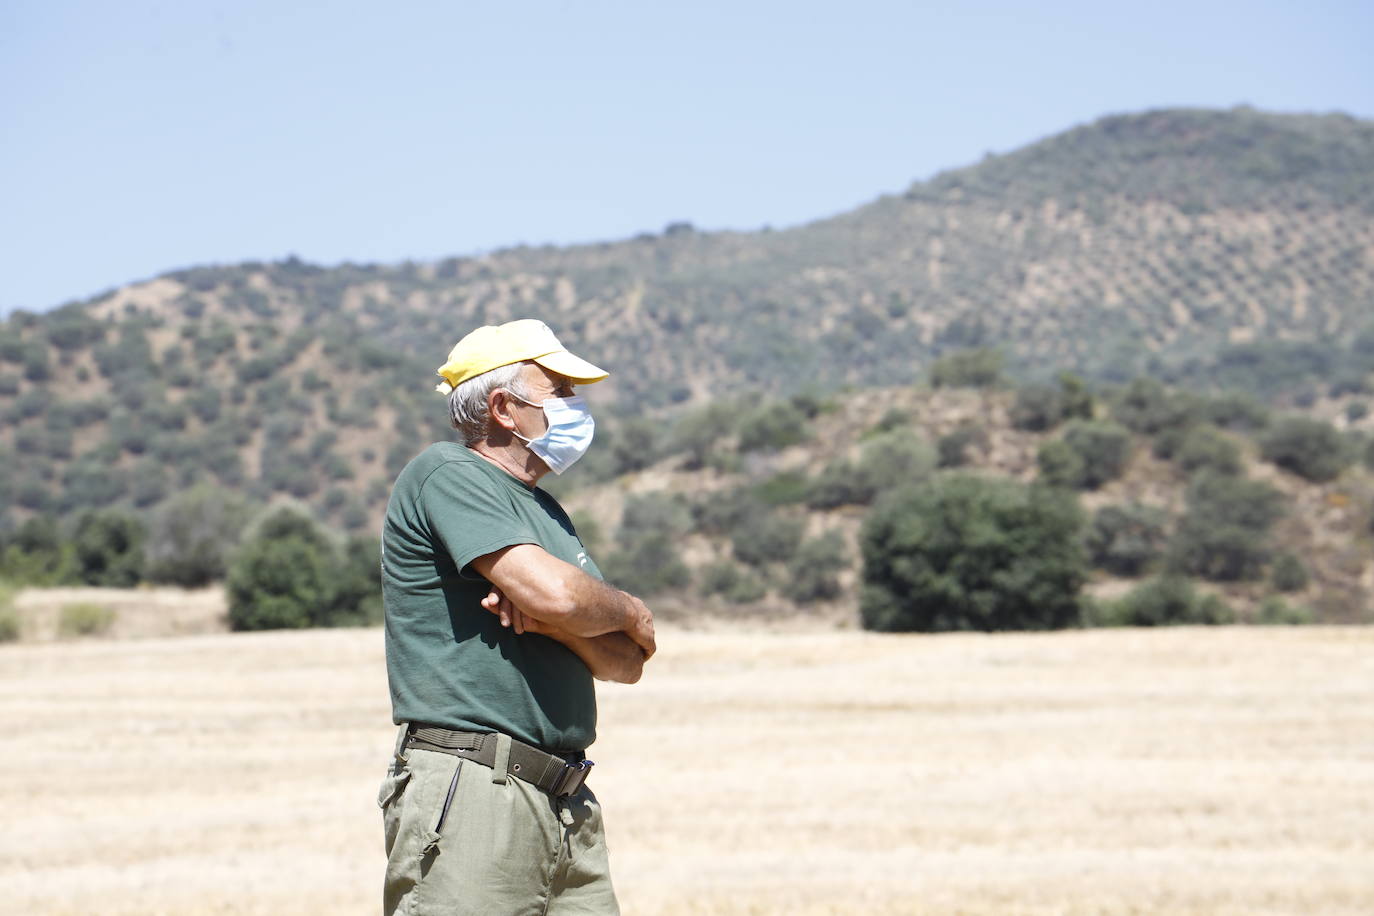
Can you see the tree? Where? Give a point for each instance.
(1311, 448)
(1225, 533)
(965, 552)
(812, 571)
(191, 536)
(975, 368)
(1126, 540)
(648, 561)
(284, 575)
(109, 548)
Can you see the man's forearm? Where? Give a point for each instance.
(563, 596)
(611, 657)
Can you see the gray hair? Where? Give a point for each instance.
(467, 404)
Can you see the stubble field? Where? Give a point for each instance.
(1172, 771)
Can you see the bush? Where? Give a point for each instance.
(695, 434)
(192, 535)
(976, 368)
(811, 573)
(1225, 533)
(84, 619)
(10, 626)
(1092, 453)
(964, 552)
(1207, 448)
(38, 555)
(784, 488)
(283, 575)
(109, 549)
(1235, 410)
(952, 448)
(648, 561)
(358, 599)
(1311, 448)
(1147, 407)
(1037, 408)
(889, 460)
(766, 537)
(771, 427)
(1274, 611)
(732, 582)
(1126, 540)
(1164, 601)
(1288, 574)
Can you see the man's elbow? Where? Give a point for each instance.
(626, 673)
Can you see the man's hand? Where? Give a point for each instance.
(511, 616)
(642, 628)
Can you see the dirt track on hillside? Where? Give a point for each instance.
(1173, 771)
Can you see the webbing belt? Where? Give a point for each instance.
(550, 772)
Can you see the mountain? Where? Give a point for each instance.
(1174, 243)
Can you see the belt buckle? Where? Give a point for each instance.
(572, 778)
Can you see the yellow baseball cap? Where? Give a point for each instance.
(494, 346)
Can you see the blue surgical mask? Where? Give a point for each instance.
(569, 434)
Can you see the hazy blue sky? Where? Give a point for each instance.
(140, 137)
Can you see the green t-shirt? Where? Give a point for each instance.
(449, 661)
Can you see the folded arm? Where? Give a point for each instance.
(562, 598)
(609, 657)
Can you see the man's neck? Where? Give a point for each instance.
(514, 459)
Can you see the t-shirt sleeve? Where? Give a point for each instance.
(470, 515)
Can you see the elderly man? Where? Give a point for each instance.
(497, 621)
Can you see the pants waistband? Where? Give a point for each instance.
(550, 772)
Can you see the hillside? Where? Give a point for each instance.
(1233, 248)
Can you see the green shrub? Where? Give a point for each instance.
(812, 572)
(11, 627)
(1288, 574)
(1311, 448)
(1126, 540)
(283, 575)
(952, 448)
(1235, 410)
(1224, 534)
(1037, 408)
(766, 537)
(731, 581)
(888, 461)
(966, 552)
(1356, 411)
(1145, 406)
(1060, 465)
(976, 368)
(191, 536)
(1165, 601)
(784, 488)
(1206, 447)
(1091, 453)
(695, 434)
(109, 549)
(649, 560)
(771, 427)
(636, 444)
(1274, 611)
(84, 619)
(37, 554)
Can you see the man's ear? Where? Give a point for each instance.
(498, 408)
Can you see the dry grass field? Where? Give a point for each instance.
(1172, 771)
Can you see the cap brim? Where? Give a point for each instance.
(576, 369)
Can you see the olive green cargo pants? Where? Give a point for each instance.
(461, 839)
